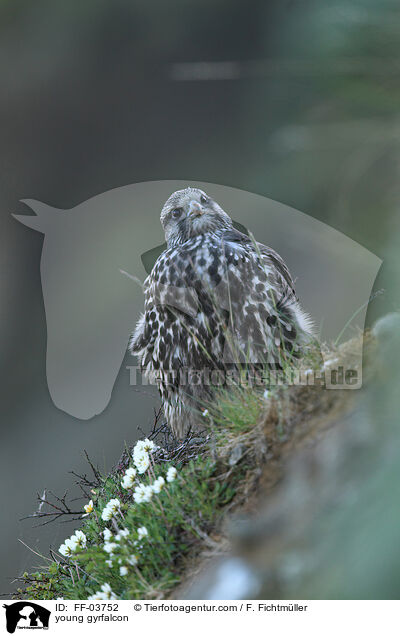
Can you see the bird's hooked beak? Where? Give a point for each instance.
(196, 209)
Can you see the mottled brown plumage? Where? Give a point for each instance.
(215, 300)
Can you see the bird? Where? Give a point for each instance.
(215, 300)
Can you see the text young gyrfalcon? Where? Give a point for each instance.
(215, 298)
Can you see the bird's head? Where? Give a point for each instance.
(189, 212)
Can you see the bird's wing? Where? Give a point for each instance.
(141, 335)
(169, 298)
(284, 283)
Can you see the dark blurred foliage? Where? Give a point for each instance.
(95, 95)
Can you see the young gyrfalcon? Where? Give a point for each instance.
(215, 299)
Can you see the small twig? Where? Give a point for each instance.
(59, 510)
(34, 551)
(59, 506)
(66, 564)
(96, 472)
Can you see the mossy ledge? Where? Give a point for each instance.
(226, 471)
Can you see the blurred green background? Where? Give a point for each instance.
(297, 101)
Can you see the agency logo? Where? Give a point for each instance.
(26, 615)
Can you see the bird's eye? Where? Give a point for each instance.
(203, 198)
(176, 213)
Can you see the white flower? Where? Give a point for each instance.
(114, 505)
(149, 446)
(128, 479)
(171, 473)
(107, 514)
(148, 493)
(146, 445)
(142, 493)
(79, 539)
(109, 563)
(106, 589)
(138, 448)
(111, 508)
(107, 534)
(142, 532)
(205, 413)
(88, 508)
(67, 548)
(97, 596)
(267, 394)
(110, 547)
(142, 461)
(123, 570)
(104, 594)
(138, 494)
(132, 560)
(141, 454)
(159, 484)
(121, 534)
